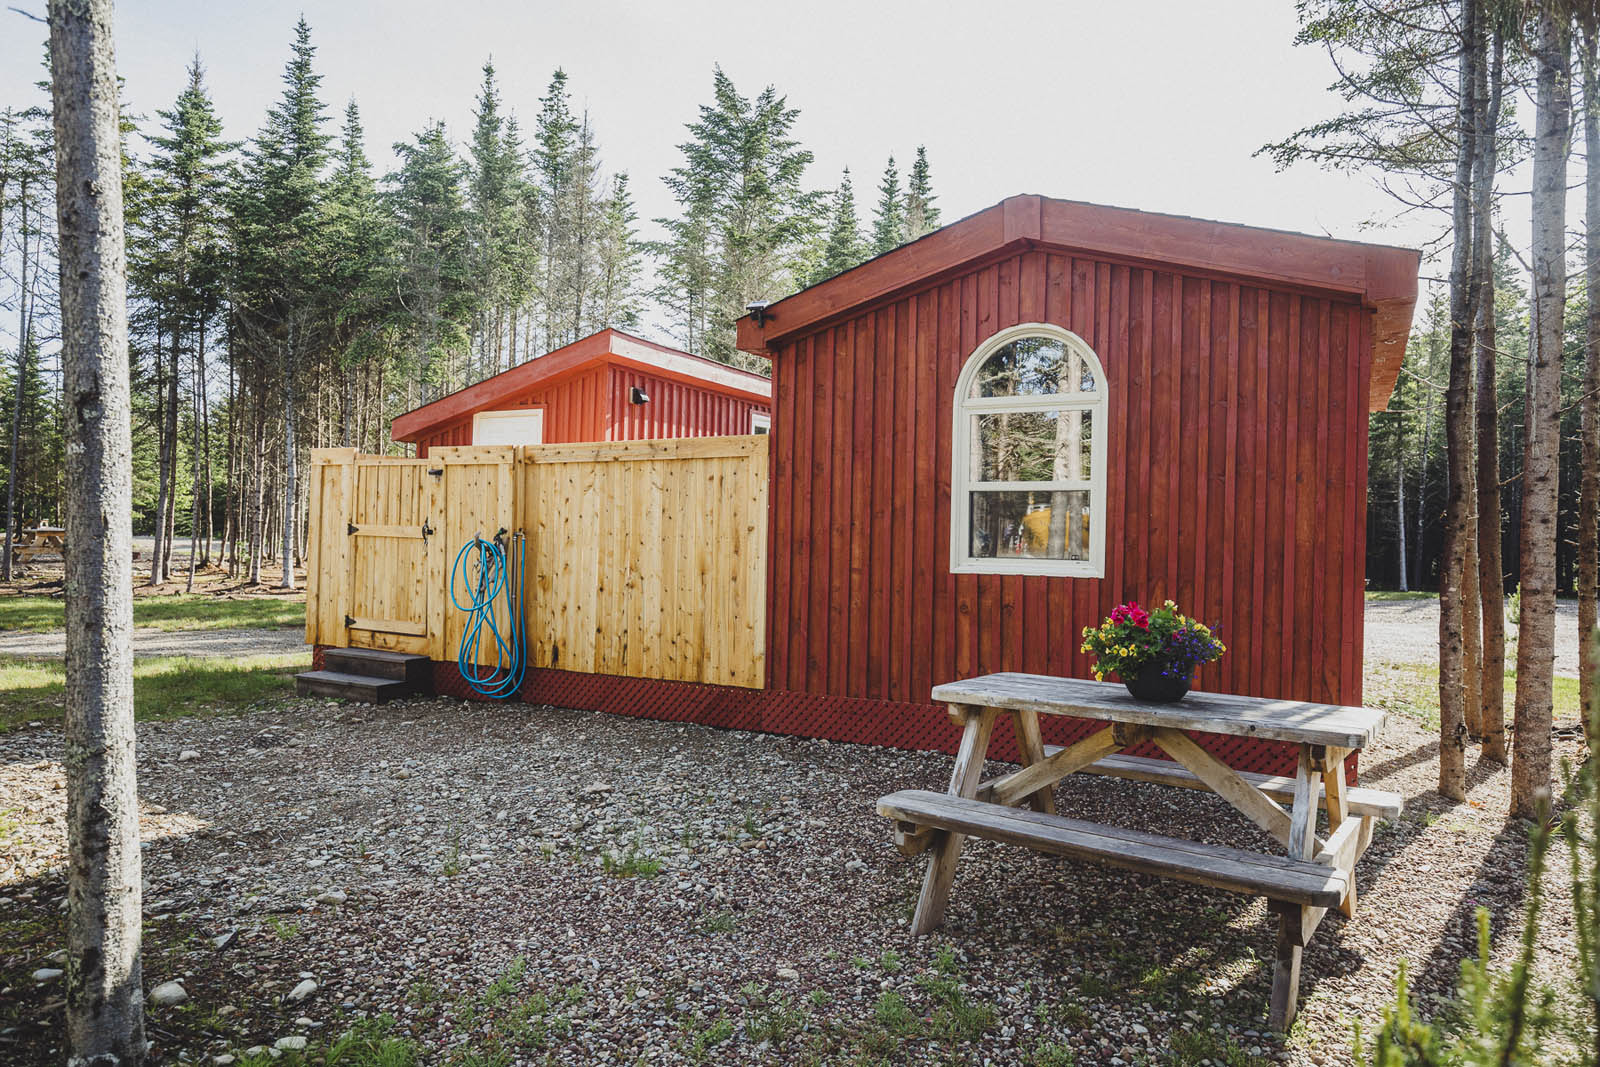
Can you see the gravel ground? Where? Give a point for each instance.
(1407, 631)
(148, 641)
(466, 868)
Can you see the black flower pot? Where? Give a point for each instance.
(1154, 685)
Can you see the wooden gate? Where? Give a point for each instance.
(644, 558)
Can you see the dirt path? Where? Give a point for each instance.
(152, 642)
(1407, 631)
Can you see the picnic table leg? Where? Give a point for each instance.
(1030, 745)
(963, 782)
(1333, 779)
(1291, 923)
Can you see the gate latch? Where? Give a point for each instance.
(427, 532)
(437, 473)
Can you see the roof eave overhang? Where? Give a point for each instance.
(1381, 277)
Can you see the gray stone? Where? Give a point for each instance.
(46, 974)
(301, 991)
(292, 1043)
(188, 754)
(168, 994)
(332, 896)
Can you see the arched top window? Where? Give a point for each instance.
(1029, 481)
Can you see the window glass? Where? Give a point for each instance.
(1033, 366)
(1030, 525)
(1033, 446)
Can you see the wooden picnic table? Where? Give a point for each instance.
(1312, 875)
(36, 542)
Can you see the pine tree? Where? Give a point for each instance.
(494, 197)
(555, 140)
(618, 256)
(845, 248)
(433, 268)
(281, 275)
(889, 223)
(359, 238)
(921, 216)
(744, 217)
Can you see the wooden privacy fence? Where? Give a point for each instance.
(645, 558)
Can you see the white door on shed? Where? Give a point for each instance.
(524, 427)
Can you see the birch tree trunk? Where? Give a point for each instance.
(105, 1020)
(19, 381)
(1589, 482)
(1454, 666)
(1491, 566)
(287, 581)
(1400, 498)
(1530, 768)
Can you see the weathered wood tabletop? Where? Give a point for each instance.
(1301, 883)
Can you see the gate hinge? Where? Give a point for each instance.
(349, 620)
(350, 527)
(437, 473)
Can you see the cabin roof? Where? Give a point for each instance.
(603, 347)
(1382, 277)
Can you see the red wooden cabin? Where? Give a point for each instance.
(1222, 384)
(608, 386)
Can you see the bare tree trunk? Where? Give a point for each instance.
(287, 581)
(1400, 496)
(1454, 662)
(105, 1019)
(1530, 768)
(171, 434)
(1589, 482)
(13, 472)
(1491, 566)
(194, 463)
(258, 511)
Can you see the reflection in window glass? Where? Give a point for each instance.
(1034, 446)
(1030, 525)
(1033, 366)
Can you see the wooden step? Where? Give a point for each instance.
(376, 663)
(1275, 877)
(1360, 801)
(350, 686)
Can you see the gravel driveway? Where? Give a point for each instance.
(466, 869)
(1407, 631)
(153, 642)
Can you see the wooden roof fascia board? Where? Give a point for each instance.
(1382, 277)
(525, 376)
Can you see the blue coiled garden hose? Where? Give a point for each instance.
(486, 580)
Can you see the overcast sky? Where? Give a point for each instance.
(1148, 105)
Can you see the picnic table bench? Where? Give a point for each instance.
(1313, 875)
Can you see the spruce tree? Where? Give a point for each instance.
(555, 140)
(921, 216)
(360, 238)
(494, 196)
(889, 224)
(744, 217)
(845, 248)
(617, 260)
(433, 266)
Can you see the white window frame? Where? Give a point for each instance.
(961, 487)
(760, 422)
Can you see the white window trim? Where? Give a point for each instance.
(961, 457)
(483, 420)
(760, 422)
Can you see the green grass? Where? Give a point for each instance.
(1395, 594)
(164, 687)
(36, 614)
(1413, 689)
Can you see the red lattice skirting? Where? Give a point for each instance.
(923, 727)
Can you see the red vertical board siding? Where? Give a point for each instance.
(594, 406)
(1235, 461)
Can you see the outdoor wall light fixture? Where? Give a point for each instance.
(638, 396)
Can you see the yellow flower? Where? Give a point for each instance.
(1099, 677)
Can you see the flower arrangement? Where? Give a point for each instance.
(1159, 648)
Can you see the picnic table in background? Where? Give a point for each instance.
(38, 542)
(1311, 876)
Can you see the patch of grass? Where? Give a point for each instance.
(890, 961)
(894, 1015)
(704, 1038)
(38, 614)
(285, 931)
(1051, 1054)
(1412, 689)
(371, 1043)
(1395, 594)
(720, 923)
(164, 687)
(774, 1022)
(1190, 1047)
(632, 863)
